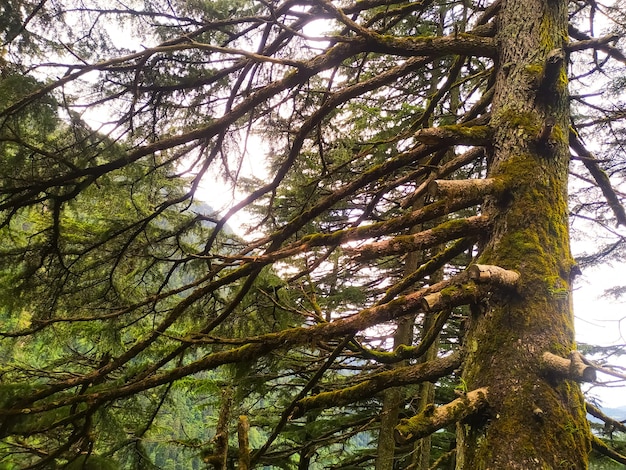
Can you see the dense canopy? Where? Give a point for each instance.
(305, 234)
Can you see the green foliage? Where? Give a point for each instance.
(128, 305)
(92, 462)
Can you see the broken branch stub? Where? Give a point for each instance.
(463, 188)
(573, 368)
(434, 418)
(483, 273)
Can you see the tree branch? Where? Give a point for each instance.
(573, 368)
(599, 446)
(599, 176)
(587, 42)
(434, 418)
(425, 372)
(455, 135)
(446, 231)
(597, 413)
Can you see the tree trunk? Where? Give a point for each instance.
(392, 400)
(533, 421)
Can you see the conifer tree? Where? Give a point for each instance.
(387, 207)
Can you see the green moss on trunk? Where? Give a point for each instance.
(533, 421)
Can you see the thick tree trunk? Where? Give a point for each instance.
(533, 421)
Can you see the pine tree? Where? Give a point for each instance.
(407, 222)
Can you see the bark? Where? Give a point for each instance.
(507, 338)
(407, 375)
(435, 418)
(243, 430)
(219, 457)
(446, 231)
(573, 368)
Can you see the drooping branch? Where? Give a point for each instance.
(610, 422)
(573, 368)
(599, 445)
(434, 418)
(599, 176)
(255, 348)
(449, 294)
(425, 372)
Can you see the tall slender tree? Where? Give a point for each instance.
(396, 173)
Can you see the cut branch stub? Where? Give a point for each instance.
(451, 297)
(471, 188)
(434, 418)
(573, 368)
(501, 277)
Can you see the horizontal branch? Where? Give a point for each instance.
(443, 170)
(471, 189)
(446, 231)
(573, 368)
(430, 212)
(451, 297)
(455, 135)
(426, 372)
(494, 275)
(468, 292)
(434, 418)
(587, 42)
(457, 44)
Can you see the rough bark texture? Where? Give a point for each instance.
(435, 418)
(507, 339)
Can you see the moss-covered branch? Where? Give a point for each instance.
(599, 446)
(597, 413)
(455, 135)
(259, 346)
(425, 372)
(446, 231)
(435, 418)
(430, 46)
